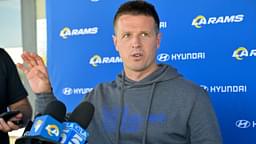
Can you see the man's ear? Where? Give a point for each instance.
(114, 38)
(159, 35)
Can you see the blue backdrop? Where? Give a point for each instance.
(212, 43)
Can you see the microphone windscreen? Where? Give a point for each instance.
(29, 125)
(34, 140)
(82, 114)
(37, 115)
(27, 128)
(57, 110)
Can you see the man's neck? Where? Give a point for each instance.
(139, 75)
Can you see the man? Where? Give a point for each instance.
(147, 103)
(13, 96)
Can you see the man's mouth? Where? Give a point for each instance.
(137, 54)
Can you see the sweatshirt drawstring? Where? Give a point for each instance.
(144, 140)
(121, 110)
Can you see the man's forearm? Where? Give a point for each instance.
(42, 99)
(24, 107)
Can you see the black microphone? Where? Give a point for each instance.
(29, 126)
(34, 140)
(48, 127)
(74, 129)
(57, 110)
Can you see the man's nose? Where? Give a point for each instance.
(136, 42)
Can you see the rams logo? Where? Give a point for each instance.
(52, 130)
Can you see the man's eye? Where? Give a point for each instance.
(126, 35)
(144, 34)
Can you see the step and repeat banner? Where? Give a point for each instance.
(212, 43)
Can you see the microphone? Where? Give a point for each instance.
(34, 140)
(48, 127)
(29, 126)
(74, 129)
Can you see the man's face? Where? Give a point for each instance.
(136, 41)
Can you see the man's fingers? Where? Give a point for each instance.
(25, 58)
(12, 126)
(39, 60)
(29, 59)
(32, 59)
(22, 68)
(4, 126)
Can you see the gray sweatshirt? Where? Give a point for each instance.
(163, 108)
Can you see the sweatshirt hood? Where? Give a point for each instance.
(163, 73)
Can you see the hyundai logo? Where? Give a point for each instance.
(163, 57)
(243, 124)
(204, 87)
(67, 91)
